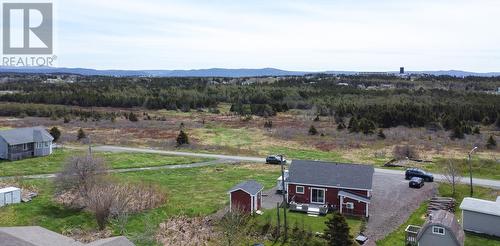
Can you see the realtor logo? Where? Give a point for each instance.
(27, 28)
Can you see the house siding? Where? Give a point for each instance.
(481, 223)
(332, 198)
(430, 239)
(242, 200)
(3, 149)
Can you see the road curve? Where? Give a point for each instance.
(438, 177)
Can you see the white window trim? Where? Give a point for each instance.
(297, 191)
(349, 205)
(25, 146)
(324, 195)
(434, 231)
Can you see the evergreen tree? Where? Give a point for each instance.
(497, 122)
(476, 130)
(337, 231)
(132, 117)
(492, 143)
(56, 134)
(457, 132)
(341, 126)
(366, 126)
(381, 134)
(182, 138)
(312, 130)
(81, 134)
(353, 125)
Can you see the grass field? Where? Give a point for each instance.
(417, 217)
(313, 224)
(192, 192)
(53, 163)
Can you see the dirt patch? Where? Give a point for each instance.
(87, 236)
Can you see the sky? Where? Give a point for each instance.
(356, 35)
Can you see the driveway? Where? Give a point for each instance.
(393, 202)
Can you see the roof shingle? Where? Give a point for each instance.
(26, 135)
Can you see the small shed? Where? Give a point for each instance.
(481, 216)
(9, 195)
(246, 196)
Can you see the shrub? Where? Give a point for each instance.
(317, 118)
(56, 134)
(381, 134)
(312, 130)
(492, 143)
(67, 119)
(81, 134)
(366, 126)
(340, 126)
(476, 130)
(182, 138)
(268, 124)
(353, 125)
(405, 151)
(132, 117)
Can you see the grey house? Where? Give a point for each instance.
(16, 144)
(481, 216)
(440, 228)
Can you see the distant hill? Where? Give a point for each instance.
(211, 72)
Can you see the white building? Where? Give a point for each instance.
(10, 195)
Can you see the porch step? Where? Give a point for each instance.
(313, 211)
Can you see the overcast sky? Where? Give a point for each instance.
(364, 35)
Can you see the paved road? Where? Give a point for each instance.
(438, 177)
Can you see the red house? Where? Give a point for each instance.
(246, 196)
(318, 187)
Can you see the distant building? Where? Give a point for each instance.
(246, 196)
(401, 70)
(16, 144)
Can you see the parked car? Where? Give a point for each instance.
(275, 159)
(416, 182)
(415, 172)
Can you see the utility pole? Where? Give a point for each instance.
(470, 170)
(285, 202)
(90, 145)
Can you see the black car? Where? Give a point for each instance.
(416, 182)
(415, 172)
(275, 159)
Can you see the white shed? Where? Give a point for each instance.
(481, 216)
(9, 195)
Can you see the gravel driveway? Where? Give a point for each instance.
(392, 203)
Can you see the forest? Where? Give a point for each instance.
(445, 102)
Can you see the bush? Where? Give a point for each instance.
(476, 130)
(268, 124)
(366, 126)
(381, 134)
(340, 126)
(312, 130)
(401, 152)
(56, 134)
(353, 125)
(337, 231)
(182, 138)
(492, 143)
(132, 117)
(81, 134)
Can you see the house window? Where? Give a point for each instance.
(46, 144)
(317, 195)
(299, 189)
(438, 230)
(349, 205)
(25, 147)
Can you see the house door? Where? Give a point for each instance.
(317, 195)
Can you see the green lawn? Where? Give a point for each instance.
(53, 163)
(313, 224)
(193, 192)
(417, 217)
(481, 168)
(305, 154)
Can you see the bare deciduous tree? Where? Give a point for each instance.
(233, 226)
(80, 174)
(405, 151)
(452, 171)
